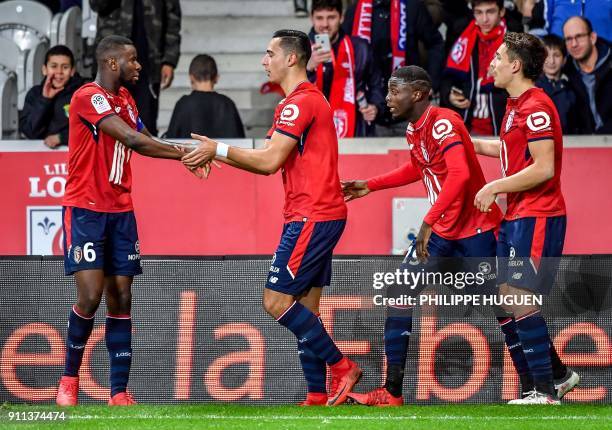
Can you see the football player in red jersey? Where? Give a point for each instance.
(533, 230)
(302, 143)
(101, 245)
(441, 156)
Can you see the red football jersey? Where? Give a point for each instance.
(99, 174)
(530, 118)
(310, 173)
(436, 132)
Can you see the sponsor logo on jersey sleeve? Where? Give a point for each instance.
(538, 121)
(100, 104)
(289, 114)
(441, 129)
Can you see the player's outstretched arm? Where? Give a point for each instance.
(403, 175)
(542, 170)
(488, 147)
(139, 142)
(263, 161)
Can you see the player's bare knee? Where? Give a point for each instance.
(88, 304)
(275, 303)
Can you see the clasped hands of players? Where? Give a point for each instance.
(358, 188)
(485, 197)
(199, 160)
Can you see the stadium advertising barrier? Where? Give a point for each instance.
(172, 203)
(200, 334)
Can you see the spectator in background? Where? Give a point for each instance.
(598, 12)
(467, 86)
(395, 43)
(555, 84)
(46, 107)
(204, 111)
(589, 70)
(355, 93)
(154, 26)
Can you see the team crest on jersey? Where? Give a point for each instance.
(100, 104)
(459, 50)
(131, 114)
(341, 122)
(538, 121)
(441, 128)
(510, 120)
(77, 254)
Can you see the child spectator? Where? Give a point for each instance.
(555, 84)
(46, 107)
(205, 111)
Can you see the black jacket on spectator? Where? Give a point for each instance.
(42, 117)
(564, 99)
(419, 27)
(206, 113)
(585, 122)
(368, 79)
(497, 97)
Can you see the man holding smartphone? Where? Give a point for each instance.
(466, 85)
(343, 69)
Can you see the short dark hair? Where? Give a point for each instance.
(414, 75)
(203, 68)
(553, 41)
(60, 50)
(529, 50)
(586, 21)
(295, 41)
(110, 44)
(500, 3)
(326, 4)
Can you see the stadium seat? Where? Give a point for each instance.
(8, 89)
(89, 26)
(28, 25)
(66, 30)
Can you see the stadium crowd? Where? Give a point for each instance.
(453, 40)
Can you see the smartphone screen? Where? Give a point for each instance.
(323, 40)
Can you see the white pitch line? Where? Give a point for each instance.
(339, 418)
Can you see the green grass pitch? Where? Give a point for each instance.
(455, 417)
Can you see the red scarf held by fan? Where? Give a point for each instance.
(460, 55)
(362, 27)
(342, 94)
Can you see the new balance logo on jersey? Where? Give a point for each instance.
(510, 120)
